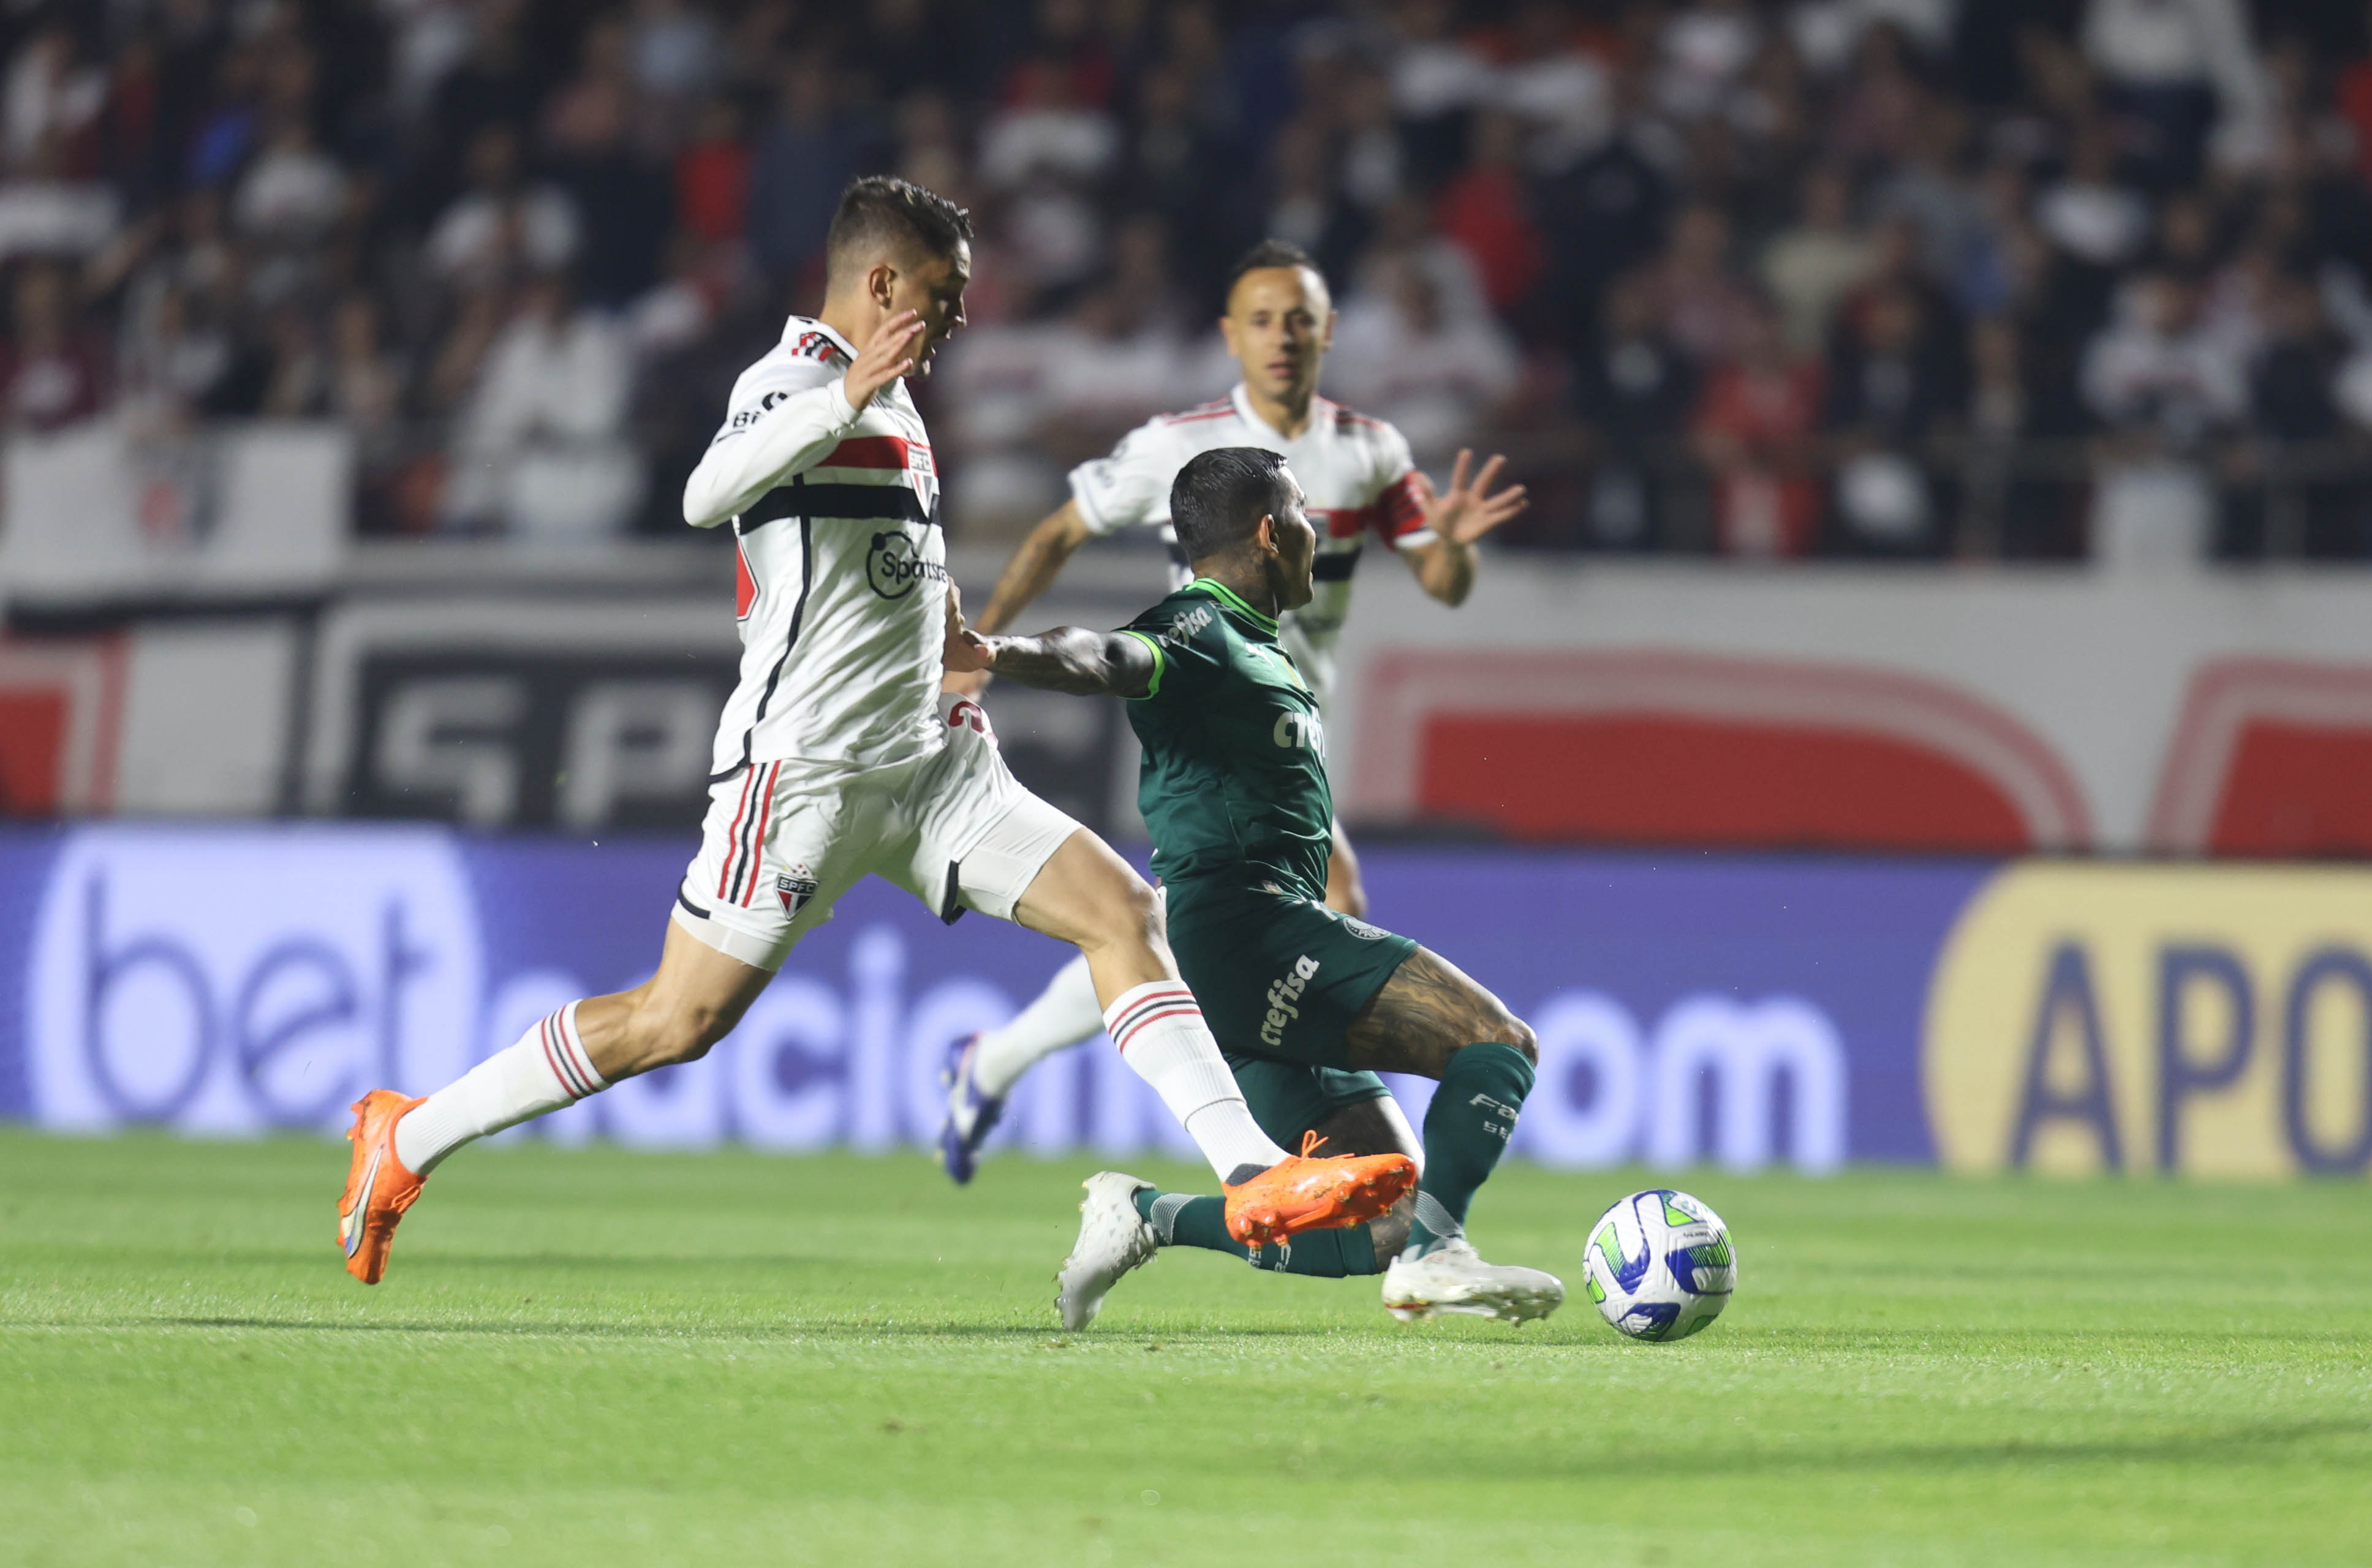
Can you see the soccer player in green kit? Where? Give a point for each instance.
(1308, 1003)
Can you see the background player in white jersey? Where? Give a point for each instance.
(1360, 482)
(837, 756)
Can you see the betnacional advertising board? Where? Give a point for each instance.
(2045, 1016)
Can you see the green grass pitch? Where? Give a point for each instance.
(586, 1357)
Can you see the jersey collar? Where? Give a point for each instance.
(1233, 600)
(798, 324)
(1241, 397)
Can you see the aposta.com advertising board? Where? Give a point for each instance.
(2056, 1016)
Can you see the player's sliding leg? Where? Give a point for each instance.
(1431, 1020)
(982, 1070)
(1125, 1221)
(691, 1002)
(1087, 896)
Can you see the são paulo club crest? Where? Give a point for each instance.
(795, 887)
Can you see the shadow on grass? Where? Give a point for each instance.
(1961, 1339)
(801, 1330)
(2255, 1443)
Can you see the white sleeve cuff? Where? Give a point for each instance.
(1097, 526)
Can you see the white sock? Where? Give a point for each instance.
(547, 1069)
(1161, 1034)
(1065, 1013)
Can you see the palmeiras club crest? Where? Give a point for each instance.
(795, 887)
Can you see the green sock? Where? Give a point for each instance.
(1466, 1131)
(1324, 1254)
(1182, 1221)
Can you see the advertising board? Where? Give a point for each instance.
(1803, 1012)
(1986, 713)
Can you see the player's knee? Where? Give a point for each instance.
(1514, 1031)
(1131, 909)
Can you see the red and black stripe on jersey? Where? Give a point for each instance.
(897, 501)
(820, 346)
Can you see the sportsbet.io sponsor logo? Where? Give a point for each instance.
(2156, 1018)
(893, 565)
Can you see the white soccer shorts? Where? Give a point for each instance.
(954, 829)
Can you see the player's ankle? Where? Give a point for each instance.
(1431, 1228)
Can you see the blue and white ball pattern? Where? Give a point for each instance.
(1660, 1265)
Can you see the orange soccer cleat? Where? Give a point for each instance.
(1302, 1192)
(378, 1187)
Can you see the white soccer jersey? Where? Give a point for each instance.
(841, 567)
(1354, 471)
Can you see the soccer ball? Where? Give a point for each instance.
(1659, 1265)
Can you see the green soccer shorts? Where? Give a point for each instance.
(1279, 978)
(1289, 1098)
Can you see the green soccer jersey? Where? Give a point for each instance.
(1233, 786)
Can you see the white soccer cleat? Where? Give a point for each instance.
(1113, 1238)
(1454, 1278)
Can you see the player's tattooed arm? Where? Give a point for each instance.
(1069, 659)
(1031, 571)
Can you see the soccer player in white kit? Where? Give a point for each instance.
(1360, 481)
(837, 756)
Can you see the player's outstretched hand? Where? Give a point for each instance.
(1464, 512)
(887, 355)
(968, 652)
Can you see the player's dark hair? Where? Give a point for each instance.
(1268, 254)
(881, 212)
(1219, 497)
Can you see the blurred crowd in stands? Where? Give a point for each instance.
(1932, 278)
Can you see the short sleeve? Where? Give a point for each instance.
(1189, 649)
(1398, 514)
(1131, 487)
